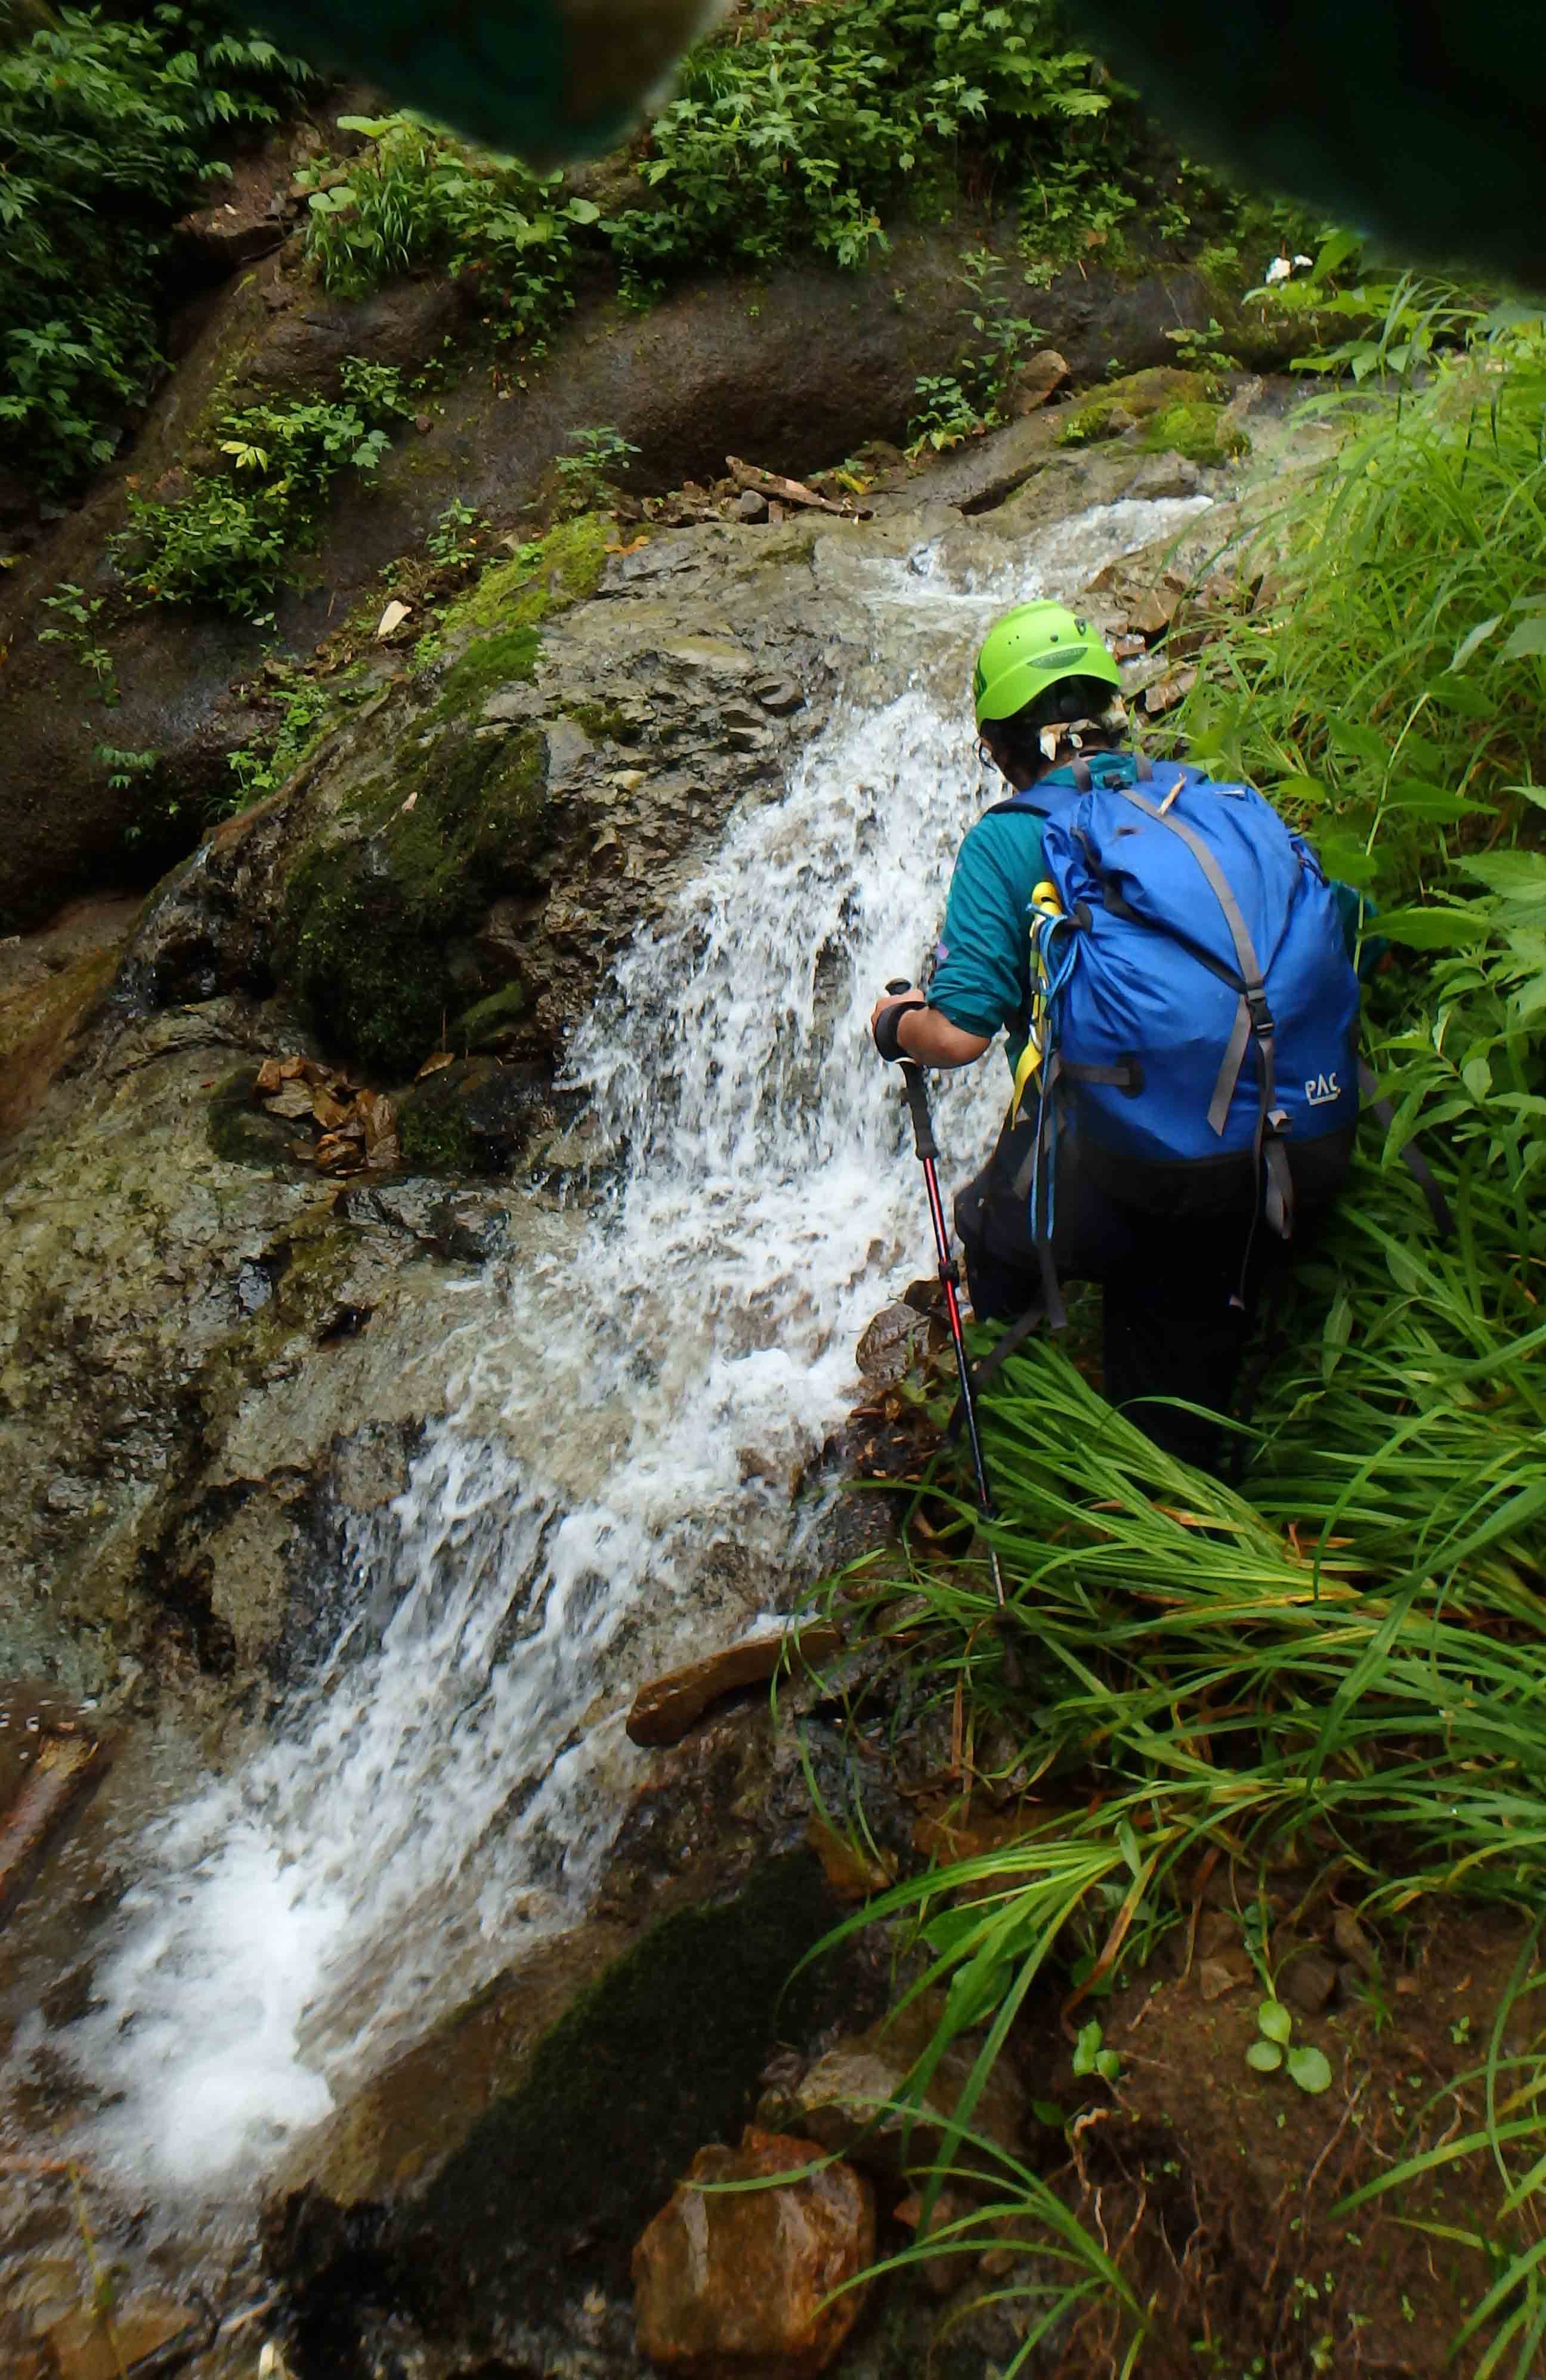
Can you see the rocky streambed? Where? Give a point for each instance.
(355, 1499)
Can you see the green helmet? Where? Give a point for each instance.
(1030, 649)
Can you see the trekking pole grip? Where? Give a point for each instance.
(917, 1090)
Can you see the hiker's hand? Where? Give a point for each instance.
(886, 1015)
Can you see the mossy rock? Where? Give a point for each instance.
(1134, 399)
(367, 922)
(433, 1130)
(606, 2115)
(1200, 433)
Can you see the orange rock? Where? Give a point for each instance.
(270, 1076)
(664, 1710)
(735, 2287)
(850, 1871)
(100, 2347)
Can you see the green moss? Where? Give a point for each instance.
(606, 2083)
(242, 1133)
(603, 722)
(1137, 397)
(565, 569)
(505, 660)
(482, 1023)
(366, 923)
(434, 1133)
(1197, 431)
(496, 621)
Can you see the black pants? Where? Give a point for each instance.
(1171, 1327)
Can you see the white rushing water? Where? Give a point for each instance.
(449, 1786)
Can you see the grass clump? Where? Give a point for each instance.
(1392, 688)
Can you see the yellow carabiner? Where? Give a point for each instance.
(1046, 912)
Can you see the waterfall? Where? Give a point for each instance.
(447, 1788)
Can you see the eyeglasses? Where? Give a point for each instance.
(985, 753)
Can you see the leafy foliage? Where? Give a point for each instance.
(796, 138)
(1394, 688)
(802, 136)
(108, 129)
(601, 456)
(953, 405)
(232, 542)
(75, 617)
(418, 198)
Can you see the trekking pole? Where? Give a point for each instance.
(924, 1143)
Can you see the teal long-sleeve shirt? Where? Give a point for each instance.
(981, 973)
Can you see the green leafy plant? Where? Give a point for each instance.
(1390, 691)
(603, 455)
(842, 108)
(1203, 351)
(126, 769)
(416, 198)
(946, 415)
(108, 128)
(1275, 2049)
(232, 541)
(1089, 2057)
(453, 540)
(76, 617)
(262, 767)
(952, 406)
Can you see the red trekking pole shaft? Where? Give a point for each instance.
(924, 1143)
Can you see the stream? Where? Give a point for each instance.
(445, 1790)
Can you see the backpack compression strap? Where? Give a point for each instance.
(1253, 1021)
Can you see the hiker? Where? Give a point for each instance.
(1177, 979)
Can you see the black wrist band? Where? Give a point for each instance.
(886, 1025)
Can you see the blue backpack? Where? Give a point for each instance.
(1198, 1009)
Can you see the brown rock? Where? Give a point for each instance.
(1307, 1980)
(852, 1873)
(1034, 382)
(890, 1346)
(739, 2285)
(941, 2274)
(337, 1152)
(1216, 1976)
(1354, 1943)
(293, 1101)
(855, 2099)
(664, 1709)
(140, 2334)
